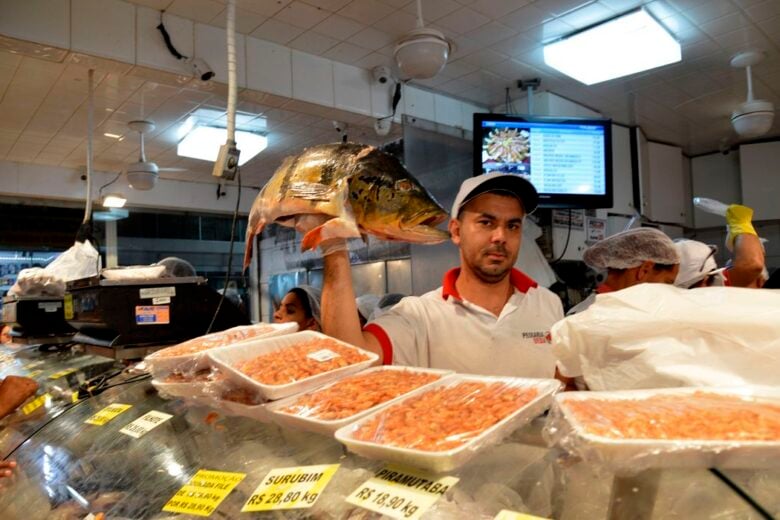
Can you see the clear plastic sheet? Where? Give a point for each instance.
(655, 335)
(286, 365)
(190, 357)
(328, 408)
(626, 432)
(441, 426)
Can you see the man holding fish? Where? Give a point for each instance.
(487, 318)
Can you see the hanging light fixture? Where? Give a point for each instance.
(422, 52)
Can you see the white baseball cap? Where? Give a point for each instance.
(499, 182)
(697, 262)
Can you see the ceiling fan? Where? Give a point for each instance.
(143, 174)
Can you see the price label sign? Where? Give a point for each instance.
(290, 488)
(107, 414)
(145, 424)
(62, 373)
(203, 493)
(506, 514)
(401, 493)
(36, 403)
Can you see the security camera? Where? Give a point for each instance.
(201, 69)
(382, 126)
(382, 74)
(339, 126)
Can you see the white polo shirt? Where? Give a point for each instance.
(441, 330)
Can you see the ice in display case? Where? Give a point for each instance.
(70, 469)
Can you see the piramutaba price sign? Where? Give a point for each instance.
(401, 493)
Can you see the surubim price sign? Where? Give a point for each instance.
(291, 488)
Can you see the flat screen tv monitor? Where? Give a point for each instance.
(568, 160)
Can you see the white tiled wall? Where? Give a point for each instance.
(269, 67)
(103, 28)
(128, 33)
(312, 78)
(23, 20)
(211, 45)
(150, 47)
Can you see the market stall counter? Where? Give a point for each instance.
(128, 453)
(58, 373)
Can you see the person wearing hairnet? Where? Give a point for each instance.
(747, 267)
(643, 255)
(302, 305)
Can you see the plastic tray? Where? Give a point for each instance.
(443, 461)
(184, 390)
(195, 392)
(631, 455)
(329, 427)
(227, 357)
(199, 360)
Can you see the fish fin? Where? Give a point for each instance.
(251, 233)
(310, 191)
(333, 228)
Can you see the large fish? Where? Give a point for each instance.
(345, 191)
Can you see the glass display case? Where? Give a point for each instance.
(70, 469)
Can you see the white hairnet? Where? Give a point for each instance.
(630, 248)
(313, 296)
(366, 304)
(697, 261)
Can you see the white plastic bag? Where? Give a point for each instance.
(82, 260)
(656, 335)
(531, 260)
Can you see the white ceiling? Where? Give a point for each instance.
(497, 42)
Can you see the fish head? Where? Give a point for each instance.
(390, 203)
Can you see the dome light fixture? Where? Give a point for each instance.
(422, 52)
(754, 117)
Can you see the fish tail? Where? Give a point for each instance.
(251, 233)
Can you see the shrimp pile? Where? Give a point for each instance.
(358, 393)
(217, 339)
(299, 361)
(445, 417)
(700, 416)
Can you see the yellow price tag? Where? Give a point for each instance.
(34, 364)
(203, 493)
(36, 403)
(290, 488)
(34, 373)
(401, 493)
(506, 514)
(74, 397)
(68, 306)
(62, 373)
(107, 414)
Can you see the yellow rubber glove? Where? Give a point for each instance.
(740, 222)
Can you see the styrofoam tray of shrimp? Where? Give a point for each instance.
(190, 356)
(674, 427)
(328, 408)
(288, 365)
(442, 426)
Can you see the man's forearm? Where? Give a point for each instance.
(748, 261)
(339, 310)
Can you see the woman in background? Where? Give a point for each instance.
(302, 305)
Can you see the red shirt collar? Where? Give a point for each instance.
(604, 288)
(517, 278)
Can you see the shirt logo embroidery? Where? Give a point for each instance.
(539, 338)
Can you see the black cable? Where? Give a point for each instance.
(106, 185)
(396, 100)
(742, 494)
(167, 39)
(566, 246)
(230, 251)
(41, 427)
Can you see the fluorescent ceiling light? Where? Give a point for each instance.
(114, 200)
(625, 45)
(203, 142)
(114, 136)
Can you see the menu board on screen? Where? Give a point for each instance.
(567, 160)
